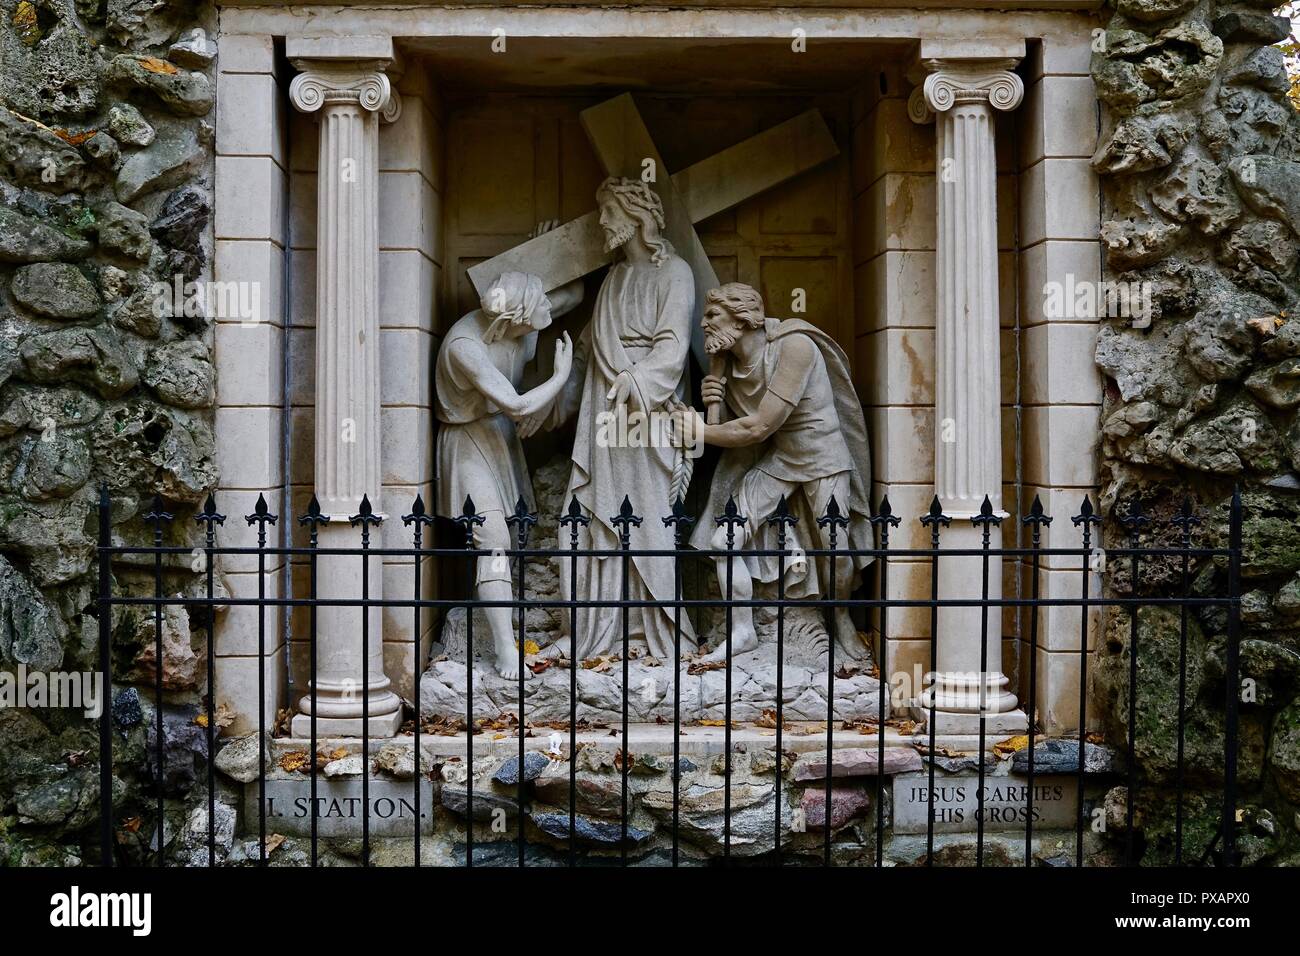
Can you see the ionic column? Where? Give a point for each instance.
(962, 95)
(349, 95)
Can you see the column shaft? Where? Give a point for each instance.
(347, 406)
(968, 375)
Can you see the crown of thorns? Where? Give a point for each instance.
(634, 195)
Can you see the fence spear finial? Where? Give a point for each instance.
(1087, 515)
(935, 515)
(365, 515)
(209, 517)
(1036, 517)
(419, 515)
(987, 516)
(467, 519)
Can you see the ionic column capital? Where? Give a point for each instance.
(951, 82)
(363, 82)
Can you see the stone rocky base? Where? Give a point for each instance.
(756, 780)
(650, 697)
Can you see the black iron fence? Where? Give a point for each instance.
(1136, 554)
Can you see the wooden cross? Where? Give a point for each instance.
(623, 144)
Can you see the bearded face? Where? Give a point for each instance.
(619, 226)
(721, 329)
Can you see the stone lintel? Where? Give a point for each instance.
(339, 48)
(984, 50)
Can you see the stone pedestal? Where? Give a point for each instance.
(962, 95)
(342, 80)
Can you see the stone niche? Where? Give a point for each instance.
(795, 243)
(486, 146)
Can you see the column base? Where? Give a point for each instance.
(995, 725)
(381, 725)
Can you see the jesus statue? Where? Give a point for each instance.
(631, 365)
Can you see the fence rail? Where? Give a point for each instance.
(883, 521)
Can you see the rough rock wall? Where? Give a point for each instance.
(105, 168)
(1200, 169)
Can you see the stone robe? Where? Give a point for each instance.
(479, 454)
(807, 447)
(641, 323)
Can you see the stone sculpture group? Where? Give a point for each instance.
(792, 431)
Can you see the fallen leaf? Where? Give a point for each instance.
(699, 667)
(1265, 324)
(131, 824)
(1005, 748)
(283, 723)
(949, 752)
(531, 647)
(225, 715)
(25, 23)
(443, 726)
(273, 841)
(295, 761)
(74, 139)
(201, 720)
(155, 65)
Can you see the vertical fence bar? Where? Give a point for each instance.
(730, 517)
(1037, 521)
(468, 519)
(261, 517)
(782, 518)
(835, 520)
(313, 519)
(679, 520)
(365, 516)
(522, 522)
(417, 520)
(1133, 521)
(209, 518)
(1232, 680)
(106, 675)
(624, 521)
(884, 519)
(986, 520)
(934, 520)
(1085, 519)
(1185, 519)
(156, 516)
(574, 519)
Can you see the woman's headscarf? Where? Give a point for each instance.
(510, 300)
